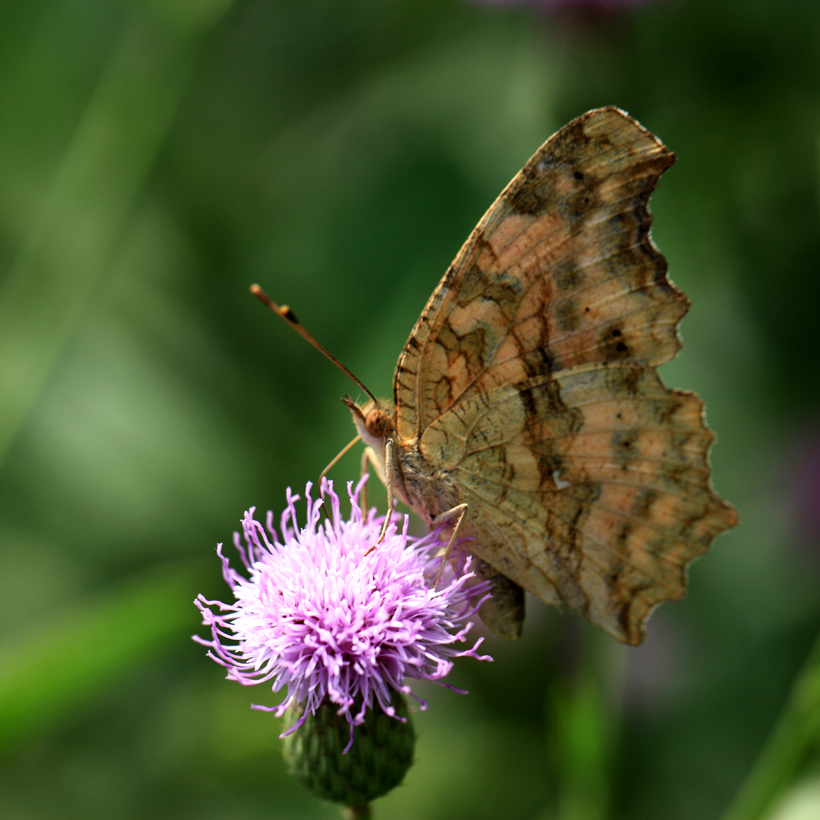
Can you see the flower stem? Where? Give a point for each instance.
(796, 731)
(358, 812)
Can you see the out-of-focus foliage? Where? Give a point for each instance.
(158, 156)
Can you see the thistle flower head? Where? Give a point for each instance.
(330, 615)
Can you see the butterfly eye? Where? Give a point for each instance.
(376, 423)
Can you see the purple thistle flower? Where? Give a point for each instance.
(329, 614)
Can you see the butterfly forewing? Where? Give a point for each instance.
(559, 272)
(528, 386)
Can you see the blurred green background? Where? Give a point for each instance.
(158, 156)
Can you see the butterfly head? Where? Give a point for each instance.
(372, 420)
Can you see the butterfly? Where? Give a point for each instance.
(527, 397)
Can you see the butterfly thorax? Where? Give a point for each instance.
(426, 489)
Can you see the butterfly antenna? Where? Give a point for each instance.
(344, 450)
(287, 314)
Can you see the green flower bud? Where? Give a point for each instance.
(380, 756)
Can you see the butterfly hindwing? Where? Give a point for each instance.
(602, 497)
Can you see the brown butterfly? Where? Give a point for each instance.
(526, 402)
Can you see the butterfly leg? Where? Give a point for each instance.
(367, 459)
(461, 512)
(387, 478)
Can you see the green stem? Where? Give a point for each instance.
(796, 731)
(358, 812)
